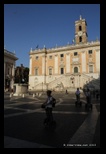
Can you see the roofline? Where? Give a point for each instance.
(67, 47)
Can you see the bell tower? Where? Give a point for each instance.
(81, 31)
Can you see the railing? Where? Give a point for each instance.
(55, 81)
(38, 85)
(52, 84)
(94, 82)
(86, 75)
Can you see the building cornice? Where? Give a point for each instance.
(10, 55)
(65, 48)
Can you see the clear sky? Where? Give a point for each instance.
(29, 25)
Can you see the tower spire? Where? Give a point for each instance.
(80, 17)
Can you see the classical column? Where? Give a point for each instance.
(83, 62)
(13, 70)
(67, 63)
(56, 64)
(45, 65)
(12, 77)
(30, 66)
(98, 61)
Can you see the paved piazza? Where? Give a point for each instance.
(75, 127)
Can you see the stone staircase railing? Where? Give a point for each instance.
(64, 83)
(54, 83)
(93, 82)
(86, 76)
(56, 80)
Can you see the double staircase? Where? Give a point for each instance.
(63, 82)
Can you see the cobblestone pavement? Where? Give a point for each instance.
(75, 126)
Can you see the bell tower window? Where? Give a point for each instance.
(80, 39)
(80, 28)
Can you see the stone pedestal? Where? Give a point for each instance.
(20, 89)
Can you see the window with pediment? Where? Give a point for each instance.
(50, 71)
(90, 68)
(75, 69)
(36, 71)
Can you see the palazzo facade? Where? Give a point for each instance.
(69, 66)
(9, 69)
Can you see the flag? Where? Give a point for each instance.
(37, 46)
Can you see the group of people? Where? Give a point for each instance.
(49, 102)
(87, 94)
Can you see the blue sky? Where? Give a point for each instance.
(29, 25)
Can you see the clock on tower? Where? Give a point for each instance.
(80, 33)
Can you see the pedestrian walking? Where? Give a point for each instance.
(88, 96)
(77, 93)
(48, 105)
(66, 91)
